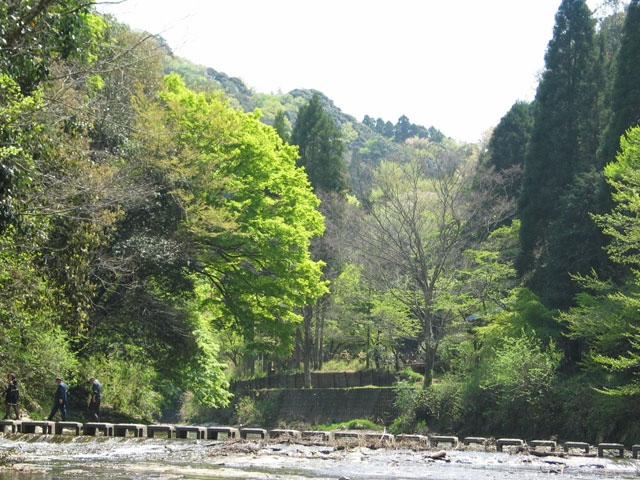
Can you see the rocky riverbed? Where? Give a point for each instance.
(47, 456)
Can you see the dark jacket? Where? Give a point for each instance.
(12, 394)
(96, 390)
(61, 392)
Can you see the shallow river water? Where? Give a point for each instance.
(62, 456)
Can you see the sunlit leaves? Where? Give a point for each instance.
(607, 318)
(623, 224)
(249, 212)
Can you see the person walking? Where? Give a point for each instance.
(96, 396)
(60, 402)
(11, 395)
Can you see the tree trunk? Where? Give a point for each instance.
(368, 348)
(429, 362)
(319, 340)
(308, 345)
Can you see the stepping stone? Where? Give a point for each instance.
(75, 427)
(501, 442)
(170, 430)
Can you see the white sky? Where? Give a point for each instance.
(457, 65)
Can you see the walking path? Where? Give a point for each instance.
(381, 439)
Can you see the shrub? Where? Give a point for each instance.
(519, 377)
(409, 401)
(355, 424)
(260, 409)
(128, 386)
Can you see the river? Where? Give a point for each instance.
(64, 456)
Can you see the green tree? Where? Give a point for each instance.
(280, 124)
(33, 36)
(563, 140)
(625, 101)
(62, 201)
(368, 319)
(487, 277)
(605, 318)
(364, 162)
(521, 374)
(403, 129)
(622, 224)
(17, 132)
(508, 143)
(424, 214)
(249, 213)
(321, 147)
(35, 33)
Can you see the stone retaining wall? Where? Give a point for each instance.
(321, 380)
(332, 405)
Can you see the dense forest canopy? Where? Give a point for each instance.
(169, 230)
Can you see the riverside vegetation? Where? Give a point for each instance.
(167, 229)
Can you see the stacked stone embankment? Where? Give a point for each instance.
(382, 439)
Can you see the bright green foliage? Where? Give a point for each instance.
(351, 324)
(31, 344)
(486, 281)
(249, 213)
(366, 319)
(523, 314)
(421, 213)
(519, 376)
(16, 162)
(321, 147)
(128, 386)
(563, 141)
(604, 318)
(205, 374)
(623, 224)
(607, 319)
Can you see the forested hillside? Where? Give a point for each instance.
(168, 230)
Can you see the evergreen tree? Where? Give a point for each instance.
(321, 147)
(563, 141)
(403, 129)
(625, 101)
(508, 144)
(369, 122)
(280, 124)
(386, 129)
(435, 135)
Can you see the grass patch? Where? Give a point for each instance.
(412, 376)
(355, 424)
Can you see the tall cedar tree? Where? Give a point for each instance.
(321, 148)
(508, 143)
(563, 141)
(625, 101)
